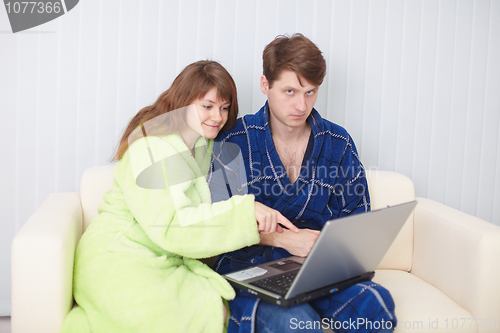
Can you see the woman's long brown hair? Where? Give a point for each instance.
(192, 83)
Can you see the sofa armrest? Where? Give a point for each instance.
(43, 252)
(458, 254)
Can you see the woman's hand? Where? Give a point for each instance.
(269, 220)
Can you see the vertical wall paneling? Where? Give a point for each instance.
(25, 135)
(224, 33)
(425, 94)
(356, 67)
(415, 82)
(410, 53)
(488, 175)
(46, 101)
(305, 20)
(186, 33)
(369, 144)
(460, 92)
(9, 82)
(88, 76)
(245, 53)
(167, 45)
(390, 83)
(147, 46)
(206, 22)
(68, 33)
(128, 55)
(475, 106)
(337, 58)
(321, 27)
(265, 31)
(107, 95)
(439, 136)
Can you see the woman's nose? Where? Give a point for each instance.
(216, 115)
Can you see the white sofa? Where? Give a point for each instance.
(443, 270)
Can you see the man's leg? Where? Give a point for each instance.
(274, 319)
(364, 307)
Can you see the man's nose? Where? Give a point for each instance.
(301, 103)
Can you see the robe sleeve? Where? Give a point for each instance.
(351, 187)
(179, 216)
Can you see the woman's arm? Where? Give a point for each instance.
(180, 218)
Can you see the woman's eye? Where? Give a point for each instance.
(208, 107)
(225, 108)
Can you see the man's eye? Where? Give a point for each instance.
(310, 92)
(289, 91)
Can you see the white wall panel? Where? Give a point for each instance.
(441, 107)
(244, 72)
(458, 118)
(8, 198)
(69, 53)
(489, 177)
(370, 134)
(475, 107)
(390, 85)
(415, 82)
(425, 94)
(105, 136)
(337, 57)
(407, 114)
(46, 101)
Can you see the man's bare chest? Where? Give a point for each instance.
(291, 156)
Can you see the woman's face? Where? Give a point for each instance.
(207, 115)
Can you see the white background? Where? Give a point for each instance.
(415, 82)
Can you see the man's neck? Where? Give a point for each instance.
(284, 133)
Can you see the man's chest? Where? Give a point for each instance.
(291, 156)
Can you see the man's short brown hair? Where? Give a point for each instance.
(297, 54)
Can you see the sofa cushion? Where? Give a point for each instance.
(421, 307)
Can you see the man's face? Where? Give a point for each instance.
(290, 103)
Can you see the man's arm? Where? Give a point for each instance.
(297, 244)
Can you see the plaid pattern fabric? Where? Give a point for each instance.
(331, 184)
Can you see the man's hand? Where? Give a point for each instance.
(297, 244)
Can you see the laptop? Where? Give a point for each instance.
(347, 251)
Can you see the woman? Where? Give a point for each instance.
(136, 267)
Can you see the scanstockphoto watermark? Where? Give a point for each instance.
(24, 15)
(430, 324)
(333, 324)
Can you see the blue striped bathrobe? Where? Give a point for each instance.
(331, 184)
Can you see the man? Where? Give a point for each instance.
(308, 169)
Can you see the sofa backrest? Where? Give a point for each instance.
(386, 188)
(389, 188)
(95, 182)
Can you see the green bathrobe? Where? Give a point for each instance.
(136, 267)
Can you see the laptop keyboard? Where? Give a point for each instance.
(278, 284)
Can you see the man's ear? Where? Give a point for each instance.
(264, 85)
